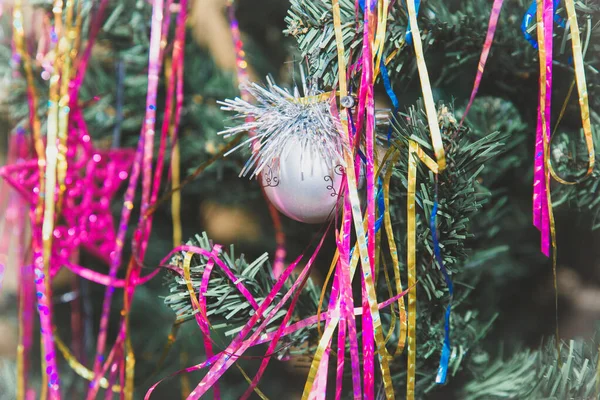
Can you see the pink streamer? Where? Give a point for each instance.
(202, 317)
(238, 346)
(367, 105)
(541, 218)
(268, 337)
(143, 161)
(278, 334)
(44, 296)
(489, 38)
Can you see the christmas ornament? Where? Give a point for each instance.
(297, 148)
(301, 185)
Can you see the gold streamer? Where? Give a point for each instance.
(67, 53)
(412, 269)
(583, 95)
(176, 200)
(194, 299)
(414, 152)
(382, 16)
(436, 167)
(394, 254)
(434, 128)
(80, 369)
(19, 38)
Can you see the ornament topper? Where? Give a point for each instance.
(280, 117)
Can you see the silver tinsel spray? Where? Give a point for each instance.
(279, 117)
(299, 156)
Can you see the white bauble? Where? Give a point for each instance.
(301, 184)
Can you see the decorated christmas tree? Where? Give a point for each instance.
(313, 199)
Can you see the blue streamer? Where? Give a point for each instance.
(361, 3)
(530, 16)
(408, 34)
(390, 92)
(380, 205)
(445, 357)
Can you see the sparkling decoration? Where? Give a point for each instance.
(298, 148)
(280, 117)
(93, 177)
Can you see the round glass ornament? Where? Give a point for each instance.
(302, 185)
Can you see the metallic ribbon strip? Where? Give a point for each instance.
(430, 108)
(143, 158)
(394, 254)
(445, 357)
(545, 40)
(436, 167)
(583, 97)
(414, 152)
(26, 302)
(238, 346)
(487, 45)
(528, 17)
(269, 337)
(366, 106)
(541, 206)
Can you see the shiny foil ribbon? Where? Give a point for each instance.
(487, 45)
(583, 97)
(542, 205)
(416, 152)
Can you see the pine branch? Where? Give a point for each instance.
(461, 195)
(537, 374)
(452, 34)
(570, 161)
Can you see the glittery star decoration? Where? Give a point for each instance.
(92, 179)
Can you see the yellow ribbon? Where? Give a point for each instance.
(436, 167)
(583, 95)
(19, 39)
(52, 159)
(80, 369)
(434, 127)
(67, 53)
(394, 254)
(382, 16)
(414, 151)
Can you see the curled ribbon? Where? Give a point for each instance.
(583, 97)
